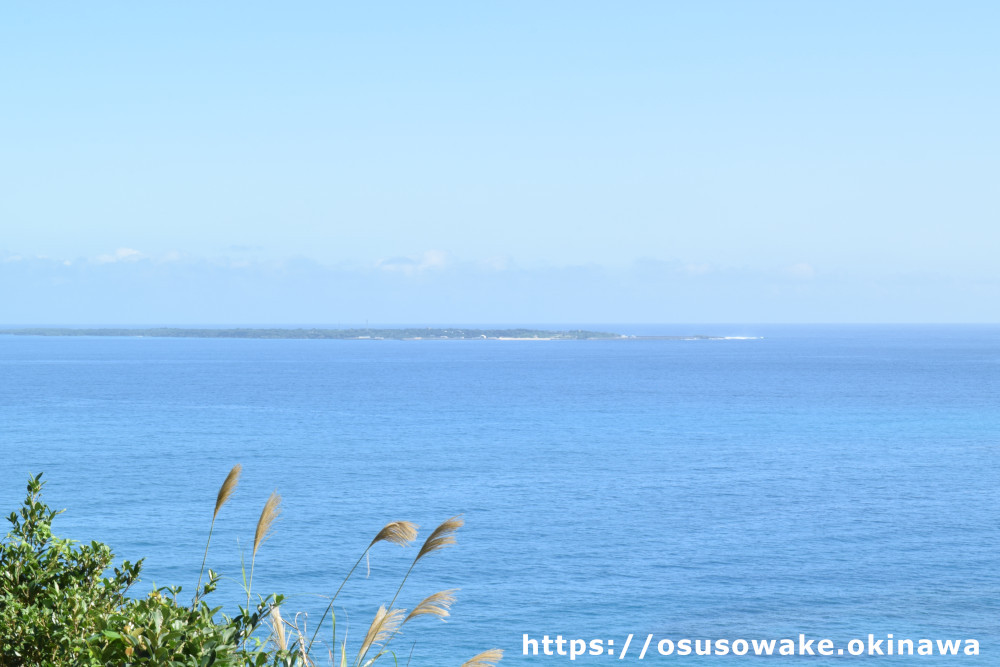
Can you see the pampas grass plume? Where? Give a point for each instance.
(485, 659)
(384, 626)
(225, 491)
(397, 532)
(227, 488)
(443, 536)
(279, 629)
(272, 508)
(434, 605)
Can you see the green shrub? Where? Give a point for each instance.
(53, 594)
(57, 607)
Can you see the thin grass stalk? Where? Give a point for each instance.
(397, 532)
(243, 565)
(329, 607)
(302, 649)
(225, 491)
(333, 637)
(300, 631)
(204, 559)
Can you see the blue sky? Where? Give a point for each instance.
(183, 162)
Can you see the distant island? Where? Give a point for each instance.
(411, 333)
(322, 334)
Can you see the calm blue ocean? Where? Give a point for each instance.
(832, 481)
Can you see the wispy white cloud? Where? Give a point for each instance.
(801, 270)
(497, 263)
(172, 256)
(430, 260)
(437, 287)
(120, 255)
(699, 269)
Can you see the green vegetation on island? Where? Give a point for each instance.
(410, 333)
